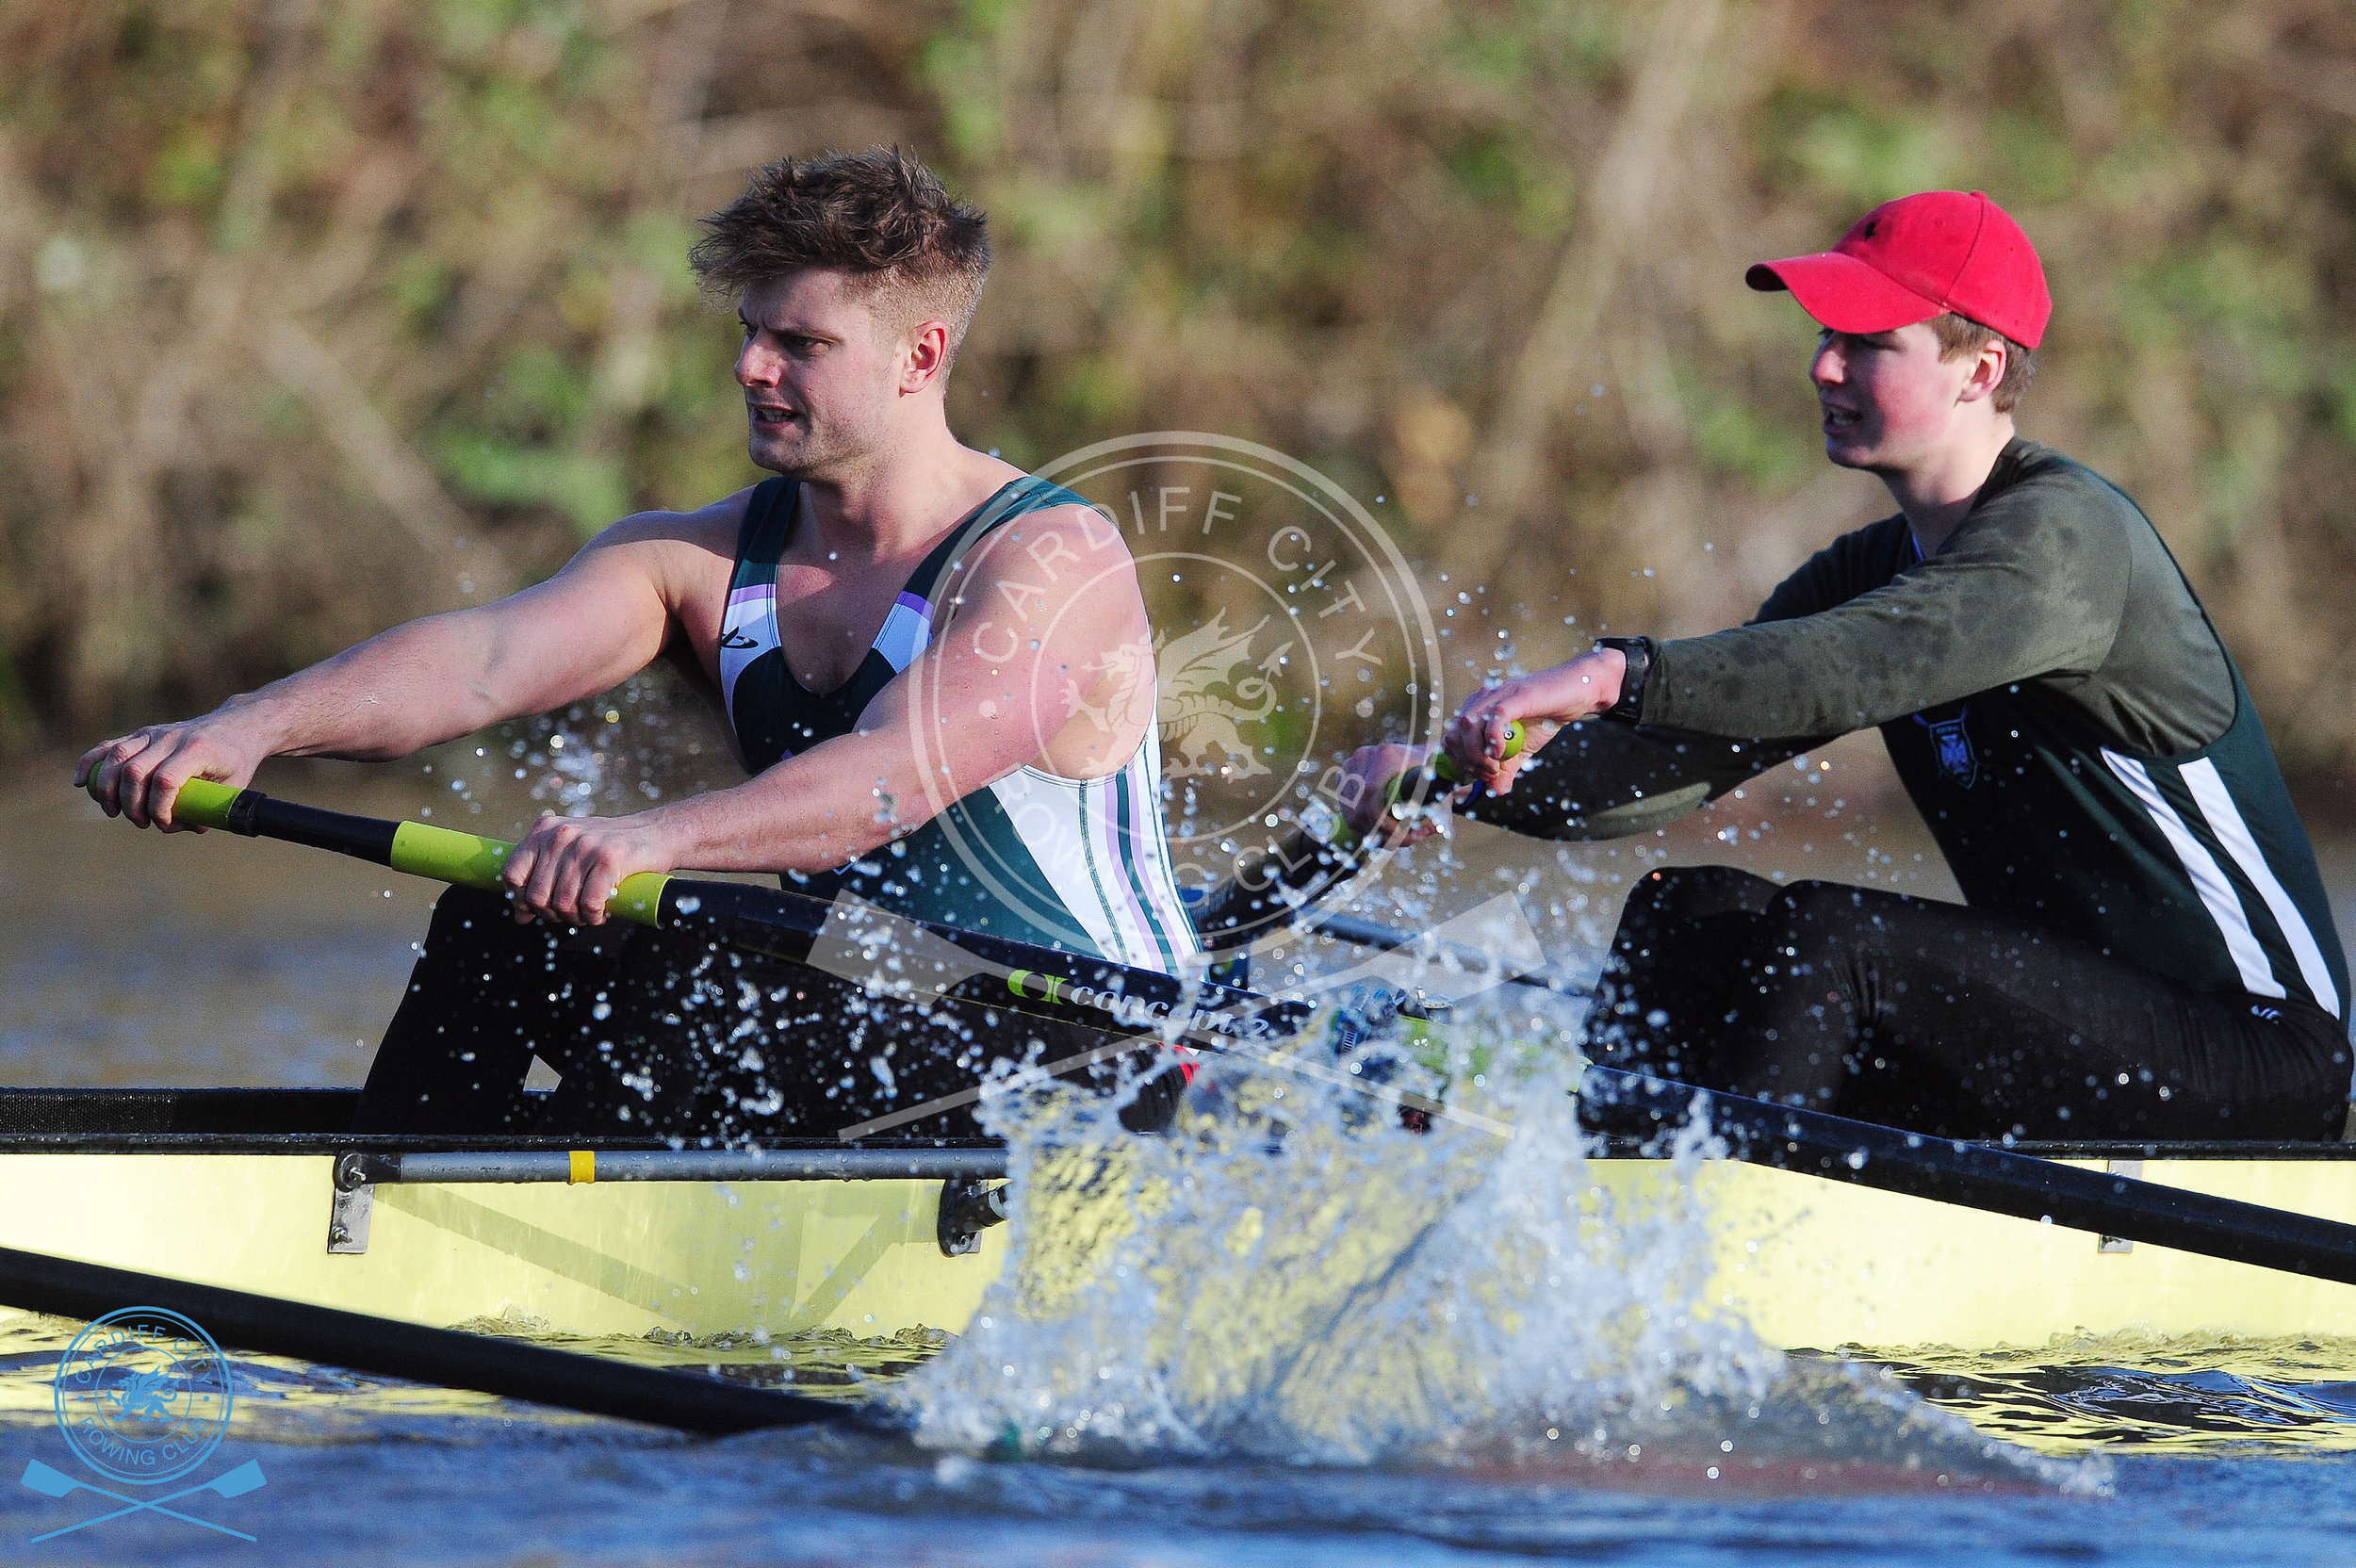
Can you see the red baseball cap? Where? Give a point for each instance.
(1917, 257)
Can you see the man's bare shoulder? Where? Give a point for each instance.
(711, 530)
(681, 560)
(1056, 541)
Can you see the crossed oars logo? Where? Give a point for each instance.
(231, 1483)
(143, 1396)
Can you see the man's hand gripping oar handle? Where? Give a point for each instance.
(1040, 981)
(416, 848)
(1441, 768)
(1305, 867)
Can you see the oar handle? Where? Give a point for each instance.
(1443, 767)
(1306, 865)
(1046, 982)
(416, 848)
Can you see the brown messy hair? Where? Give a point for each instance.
(879, 216)
(1959, 335)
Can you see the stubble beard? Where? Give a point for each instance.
(823, 453)
(796, 450)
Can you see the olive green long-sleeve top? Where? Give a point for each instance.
(2056, 702)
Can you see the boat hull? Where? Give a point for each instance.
(1807, 1263)
(1819, 1265)
(605, 1259)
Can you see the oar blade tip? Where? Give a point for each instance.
(48, 1482)
(244, 1478)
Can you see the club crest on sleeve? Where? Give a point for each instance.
(1951, 747)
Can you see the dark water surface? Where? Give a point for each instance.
(498, 1484)
(126, 958)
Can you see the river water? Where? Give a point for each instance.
(1527, 1428)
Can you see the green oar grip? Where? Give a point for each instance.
(471, 860)
(447, 855)
(419, 849)
(1444, 767)
(202, 803)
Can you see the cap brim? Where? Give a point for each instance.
(1844, 293)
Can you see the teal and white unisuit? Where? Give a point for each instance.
(1080, 864)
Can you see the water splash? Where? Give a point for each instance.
(1291, 1277)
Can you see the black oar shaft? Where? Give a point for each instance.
(1071, 987)
(1975, 1176)
(256, 815)
(685, 1401)
(1044, 982)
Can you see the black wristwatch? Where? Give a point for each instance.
(1637, 651)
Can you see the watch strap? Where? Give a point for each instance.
(1638, 652)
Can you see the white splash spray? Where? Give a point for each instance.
(1292, 1275)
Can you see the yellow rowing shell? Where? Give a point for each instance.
(1807, 1262)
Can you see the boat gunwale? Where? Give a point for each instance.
(316, 1144)
(91, 1119)
(323, 1144)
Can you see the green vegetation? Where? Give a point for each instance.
(315, 314)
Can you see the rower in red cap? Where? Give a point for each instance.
(2146, 950)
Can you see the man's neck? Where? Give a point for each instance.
(899, 503)
(1938, 494)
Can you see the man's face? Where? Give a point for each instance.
(820, 374)
(1886, 398)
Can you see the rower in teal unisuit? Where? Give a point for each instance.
(2146, 950)
(930, 661)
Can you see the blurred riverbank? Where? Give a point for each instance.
(314, 316)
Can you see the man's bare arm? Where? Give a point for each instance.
(599, 620)
(1010, 677)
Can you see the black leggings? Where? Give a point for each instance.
(1947, 1019)
(667, 1035)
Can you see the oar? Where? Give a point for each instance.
(1360, 932)
(1309, 865)
(229, 1483)
(55, 1483)
(689, 1402)
(1974, 1175)
(1072, 987)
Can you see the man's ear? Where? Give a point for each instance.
(925, 358)
(1987, 371)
